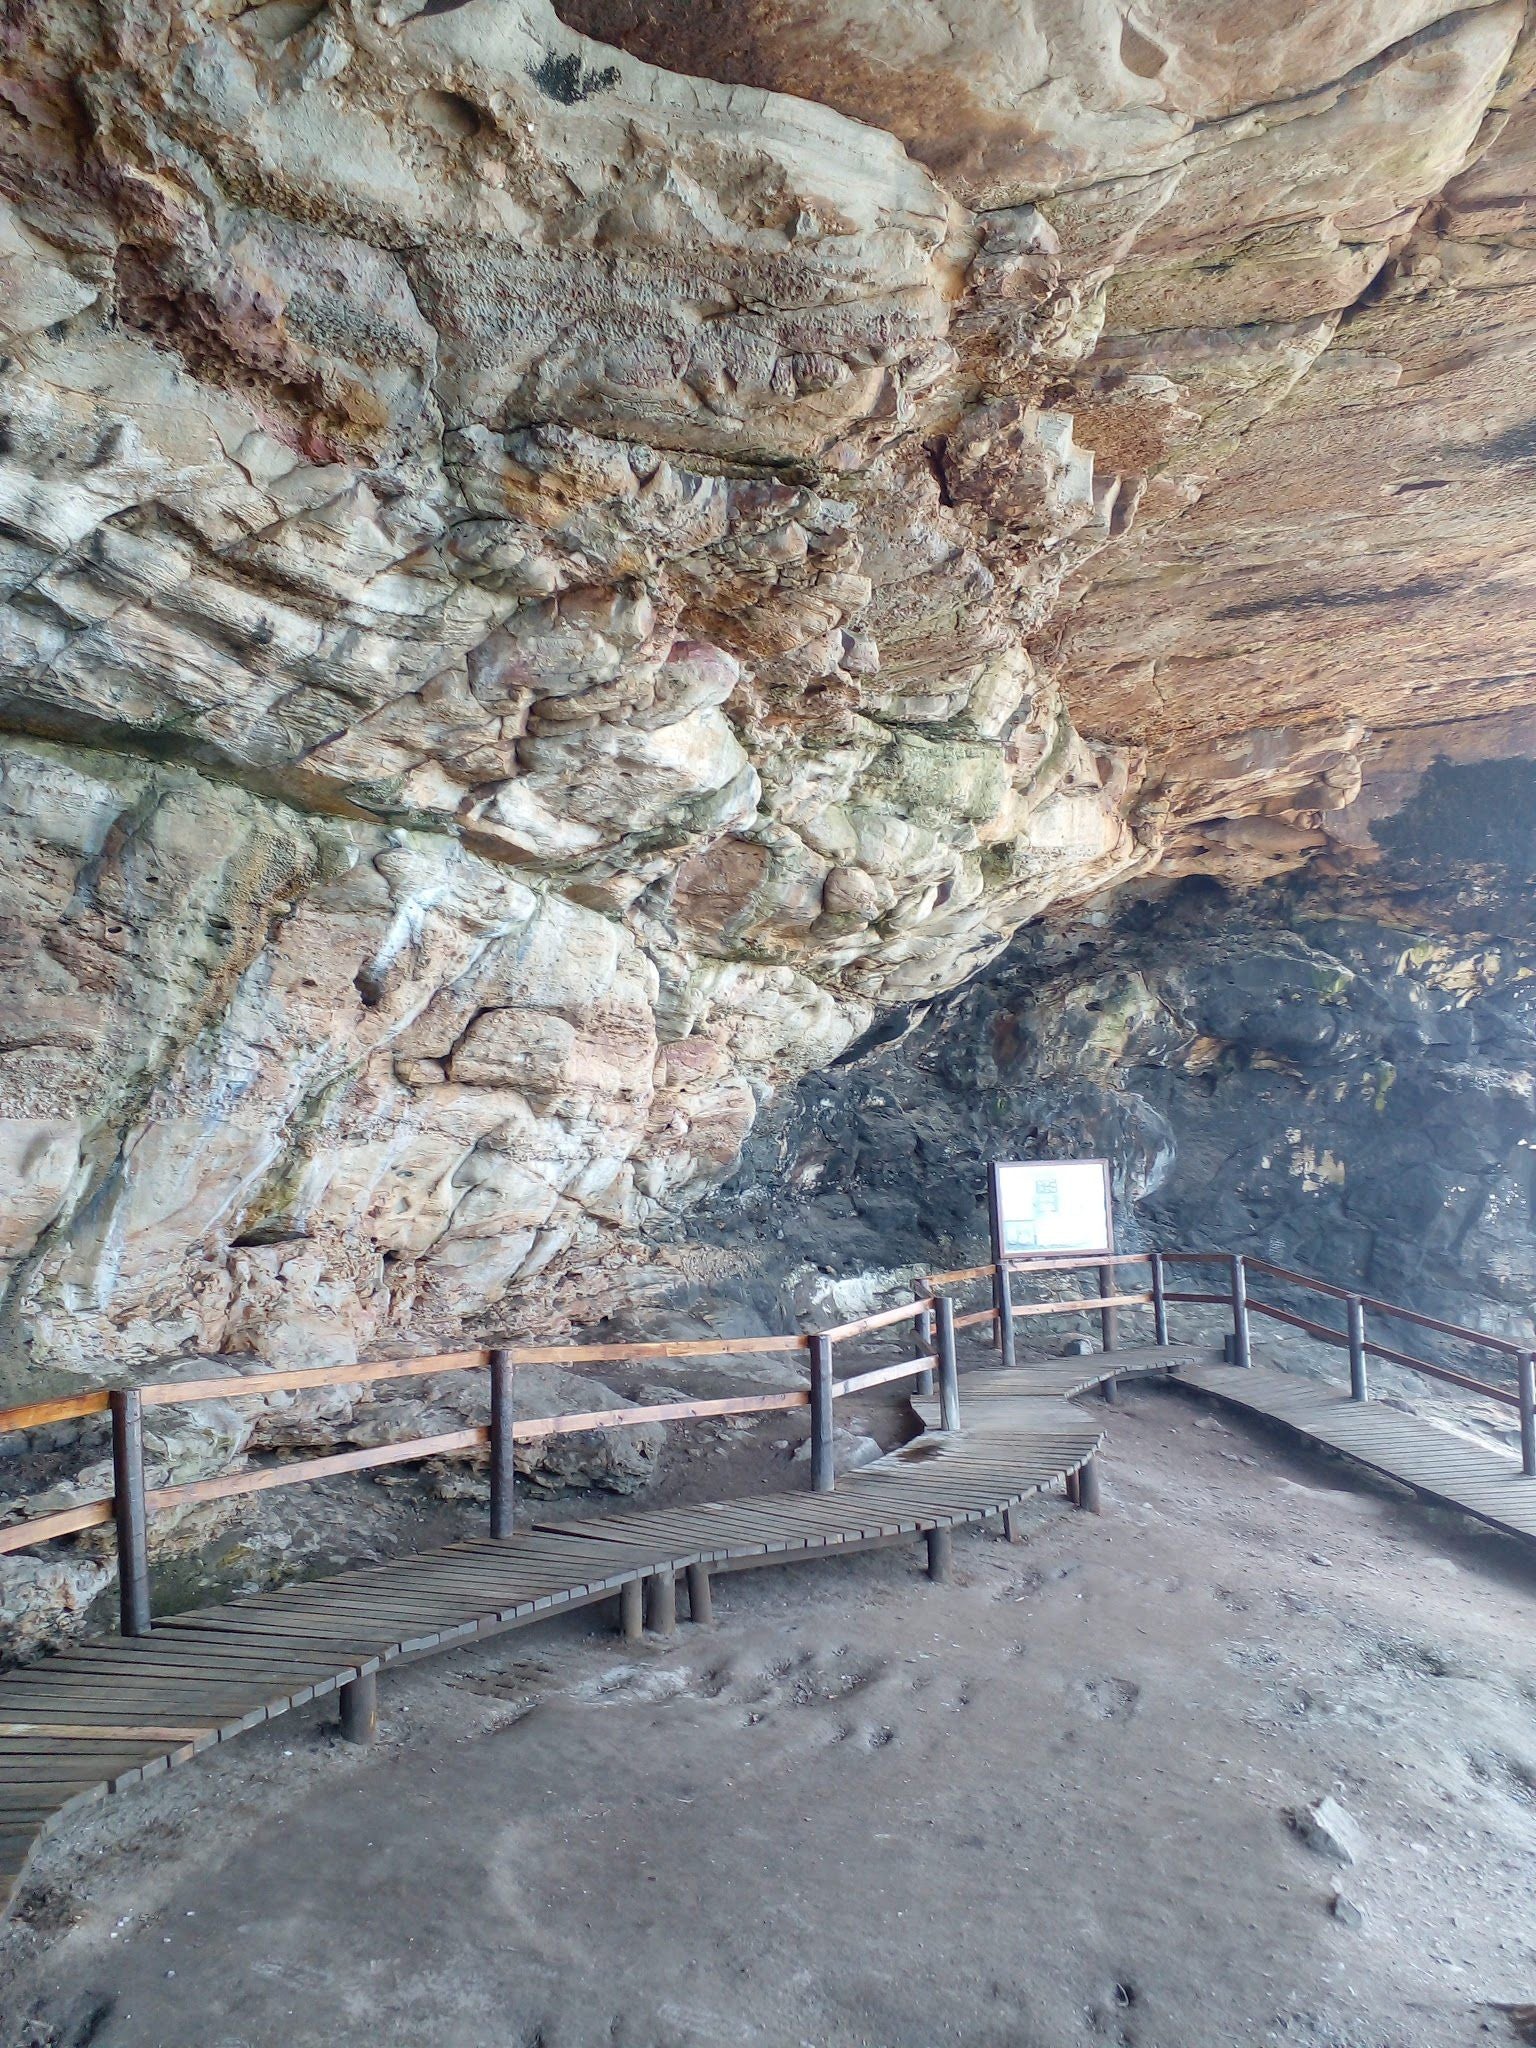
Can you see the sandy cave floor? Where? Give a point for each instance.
(1044, 1806)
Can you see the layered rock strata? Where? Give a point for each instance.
(552, 585)
(497, 677)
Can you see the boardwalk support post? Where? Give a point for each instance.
(1358, 1390)
(924, 1337)
(631, 1611)
(1527, 1369)
(503, 1472)
(701, 1607)
(1242, 1351)
(661, 1603)
(822, 1476)
(1088, 1494)
(941, 1555)
(949, 1378)
(359, 1700)
(130, 1510)
(1013, 1528)
(1159, 1301)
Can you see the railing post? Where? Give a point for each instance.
(1241, 1351)
(503, 1471)
(949, 1378)
(1109, 1318)
(130, 1510)
(1002, 1291)
(924, 1337)
(1526, 1365)
(1358, 1391)
(1159, 1300)
(822, 1475)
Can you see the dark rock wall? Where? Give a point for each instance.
(1337, 1075)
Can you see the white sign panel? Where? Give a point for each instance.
(1052, 1205)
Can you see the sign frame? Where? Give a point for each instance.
(1001, 1256)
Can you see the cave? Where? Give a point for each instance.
(636, 636)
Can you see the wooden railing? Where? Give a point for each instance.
(933, 1311)
(1354, 1338)
(1005, 1312)
(132, 1503)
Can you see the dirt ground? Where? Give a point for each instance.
(1045, 1806)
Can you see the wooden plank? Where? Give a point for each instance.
(1486, 1388)
(172, 1652)
(104, 1668)
(34, 1799)
(584, 1562)
(85, 1756)
(596, 1354)
(276, 1655)
(383, 1618)
(339, 1632)
(52, 1762)
(623, 1531)
(423, 1579)
(904, 1370)
(1076, 1305)
(44, 1528)
(347, 1640)
(536, 1428)
(234, 1386)
(116, 1705)
(904, 1312)
(57, 1728)
(306, 1469)
(68, 1408)
(781, 1524)
(844, 1515)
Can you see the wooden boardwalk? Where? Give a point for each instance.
(1063, 1379)
(118, 1709)
(1435, 1464)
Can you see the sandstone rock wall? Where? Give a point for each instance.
(548, 584)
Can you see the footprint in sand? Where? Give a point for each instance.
(1109, 1699)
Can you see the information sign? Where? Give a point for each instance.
(1051, 1207)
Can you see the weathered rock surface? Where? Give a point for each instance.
(547, 586)
(1334, 1076)
(514, 685)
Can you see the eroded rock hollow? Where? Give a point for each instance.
(563, 564)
